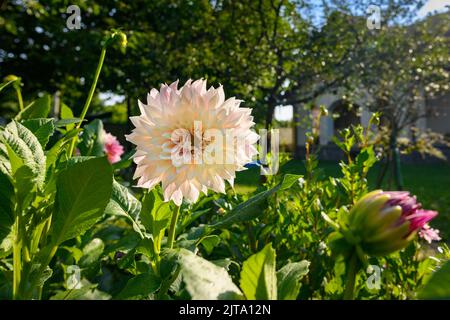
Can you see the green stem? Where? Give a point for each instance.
(44, 261)
(90, 96)
(19, 98)
(173, 227)
(17, 258)
(352, 270)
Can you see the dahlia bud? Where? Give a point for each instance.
(16, 81)
(383, 222)
(118, 37)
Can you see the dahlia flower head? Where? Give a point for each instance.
(112, 147)
(383, 222)
(191, 139)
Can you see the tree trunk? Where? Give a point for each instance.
(396, 160)
(269, 114)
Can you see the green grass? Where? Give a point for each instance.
(429, 182)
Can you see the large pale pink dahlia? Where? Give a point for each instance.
(191, 139)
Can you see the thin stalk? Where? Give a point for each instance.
(90, 96)
(19, 98)
(352, 270)
(251, 238)
(173, 227)
(17, 258)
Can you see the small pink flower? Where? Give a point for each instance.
(112, 147)
(429, 234)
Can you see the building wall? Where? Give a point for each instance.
(441, 122)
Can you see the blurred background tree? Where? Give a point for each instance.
(266, 52)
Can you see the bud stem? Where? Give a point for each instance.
(352, 270)
(89, 98)
(19, 98)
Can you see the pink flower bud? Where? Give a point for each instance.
(384, 222)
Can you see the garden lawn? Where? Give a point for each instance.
(429, 182)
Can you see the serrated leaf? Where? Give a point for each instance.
(6, 214)
(24, 144)
(123, 203)
(83, 191)
(205, 280)
(288, 279)
(5, 166)
(258, 276)
(42, 128)
(39, 108)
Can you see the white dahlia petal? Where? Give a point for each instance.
(181, 140)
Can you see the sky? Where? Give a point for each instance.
(433, 5)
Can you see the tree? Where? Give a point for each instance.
(409, 64)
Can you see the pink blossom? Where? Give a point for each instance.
(386, 221)
(411, 210)
(429, 234)
(112, 147)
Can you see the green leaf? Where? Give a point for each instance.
(92, 252)
(141, 285)
(288, 279)
(258, 277)
(205, 280)
(87, 292)
(156, 213)
(5, 166)
(83, 191)
(123, 203)
(42, 128)
(438, 286)
(209, 242)
(25, 146)
(67, 122)
(39, 108)
(66, 115)
(251, 208)
(5, 84)
(366, 158)
(91, 143)
(6, 214)
(24, 186)
(55, 150)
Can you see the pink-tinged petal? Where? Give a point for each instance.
(165, 133)
(419, 218)
(429, 234)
